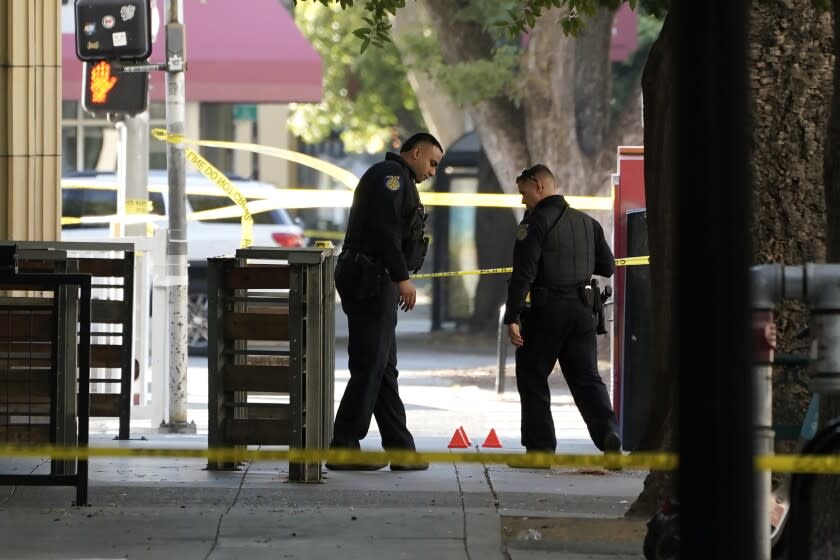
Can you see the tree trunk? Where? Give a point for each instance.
(825, 506)
(790, 75)
(499, 122)
(567, 102)
(563, 121)
(660, 134)
(790, 87)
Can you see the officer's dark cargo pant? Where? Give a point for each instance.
(560, 328)
(372, 389)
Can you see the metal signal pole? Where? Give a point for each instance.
(176, 246)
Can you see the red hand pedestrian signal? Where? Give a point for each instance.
(101, 82)
(108, 91)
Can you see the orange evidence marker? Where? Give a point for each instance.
(458, 440)
(465, 436)
(492, 440)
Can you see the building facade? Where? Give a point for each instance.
(244, 67)
(30, 112)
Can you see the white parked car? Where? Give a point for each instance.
(93, 196)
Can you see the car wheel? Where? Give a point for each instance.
(197, 332)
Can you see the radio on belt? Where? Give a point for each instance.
(113, 29)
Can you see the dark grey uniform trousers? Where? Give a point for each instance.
(560, 329)
(372, 390)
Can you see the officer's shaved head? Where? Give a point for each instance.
(539, 173)
(422, 152)
(535, 183)
(419, 138)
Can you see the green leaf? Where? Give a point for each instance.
(366, 95)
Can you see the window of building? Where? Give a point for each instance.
(90, 143)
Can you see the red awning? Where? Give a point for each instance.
(237, 52)
(625, 34)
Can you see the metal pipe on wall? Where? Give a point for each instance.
(763, 344)
(822, 283)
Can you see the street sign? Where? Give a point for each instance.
(113, 29)
(107, 91)
(245, 112)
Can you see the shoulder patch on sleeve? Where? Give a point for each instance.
(392, 182)
(522, 232)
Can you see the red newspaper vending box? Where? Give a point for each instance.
(628, 194)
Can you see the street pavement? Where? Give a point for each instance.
(175, 508)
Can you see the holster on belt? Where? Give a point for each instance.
(604, 296)
(416, 244)
(593, 299)
(600, 300)
(587, 294)
(359, 276)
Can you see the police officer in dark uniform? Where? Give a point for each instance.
(384, 241)
(557, 251)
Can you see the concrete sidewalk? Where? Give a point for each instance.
(174, 508)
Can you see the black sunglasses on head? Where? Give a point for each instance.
(526, 174)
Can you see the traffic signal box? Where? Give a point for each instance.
(108, 31)
(113, 29)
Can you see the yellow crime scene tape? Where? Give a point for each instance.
(140, 207)
(211, 172)
(324, 234)
(491, 200)
(654, 461)
(312, 198)
(317, 198)
(292, 198)
(343, 176)
(805, 464)
(629, 261)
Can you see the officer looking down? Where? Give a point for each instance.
(557, 251)
(384, 241)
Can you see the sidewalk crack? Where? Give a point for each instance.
(463, 511)
(230, 507)
(491, 487)
(495, 495)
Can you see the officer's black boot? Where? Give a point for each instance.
(612, 446)
(612, 443)
(348, 466)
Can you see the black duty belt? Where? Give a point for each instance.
(558, 291)
(353, 254)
